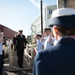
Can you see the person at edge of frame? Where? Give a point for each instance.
(60, 59)
(1, 52)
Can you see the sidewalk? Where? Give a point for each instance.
(12, 67)
(6, 71)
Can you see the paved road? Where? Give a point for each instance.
(14, 70)
(7, 72)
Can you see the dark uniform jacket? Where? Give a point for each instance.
(20, 41)
(58, 60)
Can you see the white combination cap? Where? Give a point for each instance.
(38, 35)
(63, 17)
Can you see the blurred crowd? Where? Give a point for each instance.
(58, 56)
(46, 40)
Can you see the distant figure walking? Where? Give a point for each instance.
(20, 43)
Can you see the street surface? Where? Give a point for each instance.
(7, 72)
(11, 67)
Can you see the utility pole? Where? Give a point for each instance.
(41, 17)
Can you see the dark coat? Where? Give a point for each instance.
(58, 60)
(19, 41)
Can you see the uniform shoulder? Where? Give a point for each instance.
(17, 35)
(24, 36)
(48, 52)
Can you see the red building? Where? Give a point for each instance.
(7, 31)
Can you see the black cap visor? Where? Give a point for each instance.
(67, 21)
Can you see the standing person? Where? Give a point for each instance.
(14, 41)
(48, 42)
(20, 43)
(60, 59)
(1, 53)
(39, 43)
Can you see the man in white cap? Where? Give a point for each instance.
(39, 43)
(48, 43)
(60, 59)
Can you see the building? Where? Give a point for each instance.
(66, 3)
(36, 25)
(48, 11)
(29, 38)
(8, 33)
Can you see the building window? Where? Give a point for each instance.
(50, 11)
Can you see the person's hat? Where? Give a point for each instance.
(20, 30)
(47, 28)
(38, 35)
(63, 17)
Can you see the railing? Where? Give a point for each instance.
(29, 55)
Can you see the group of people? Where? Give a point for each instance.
(60, 58)
(46, 40)
(56, 49)
(19, 41)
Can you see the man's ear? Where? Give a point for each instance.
(55, 30)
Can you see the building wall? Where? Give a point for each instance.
(29, 38)
(1, 28)
(36, 25)
(69, 3)
(48, 11)
(8, 33)
(60, 3)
